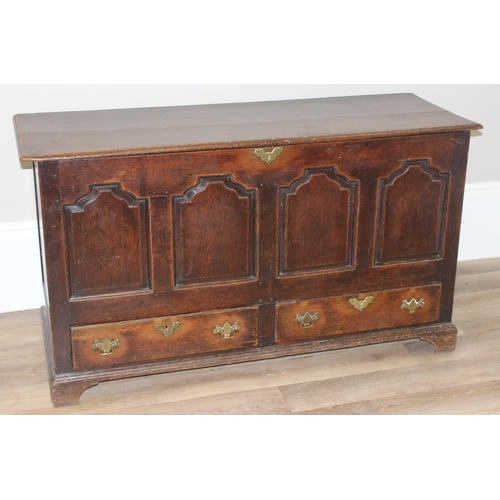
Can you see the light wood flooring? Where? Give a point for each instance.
(394, 378)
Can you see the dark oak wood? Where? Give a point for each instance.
(401, 377)
(66, 388)
(452, 231)
(409, 229)
(148, 217)
(214, 232)
(157, 130)
(317, 226)
(337, 316)
(140, 341)
(63, 391)
(107, 254)
(442, 341)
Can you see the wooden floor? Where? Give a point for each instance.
(395, 378)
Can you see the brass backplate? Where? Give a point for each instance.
(105, 348)
(268, 157)
(361, 305)
(169, 330)
(227, 331)
(306, 320)
(413, 305)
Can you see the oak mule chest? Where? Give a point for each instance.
(186, 237)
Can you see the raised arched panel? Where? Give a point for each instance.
(317, 218)
(107, 242)
(214, 232)
(411, 213)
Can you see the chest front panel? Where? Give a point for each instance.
(150, 236)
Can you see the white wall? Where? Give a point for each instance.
(19, 263)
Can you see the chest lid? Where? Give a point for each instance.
(82, 134)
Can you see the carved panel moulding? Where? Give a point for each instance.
(214, 232)
(317, 220)
(407, 229)
(107, 240)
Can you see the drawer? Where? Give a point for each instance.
(313, 319)
(100, 346)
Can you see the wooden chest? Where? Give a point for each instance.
(186, 237)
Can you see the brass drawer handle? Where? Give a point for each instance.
(169, 330)
(307, 320)
(266, 157)
(361, 305)
(413, 305)
(227, 331)
(105, 348)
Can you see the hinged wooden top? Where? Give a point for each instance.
(46, 136)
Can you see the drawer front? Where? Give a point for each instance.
(100, 346)
(313, 319)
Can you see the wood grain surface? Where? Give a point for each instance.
(336, 315)
(141, 341)
(395, 378)
(44, 136)
(301, 228)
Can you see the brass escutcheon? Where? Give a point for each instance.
(226, 331)
(413, 305)
(361, 305)
(105, 348)
(307, 320)
(268, 157)
(169, 330)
